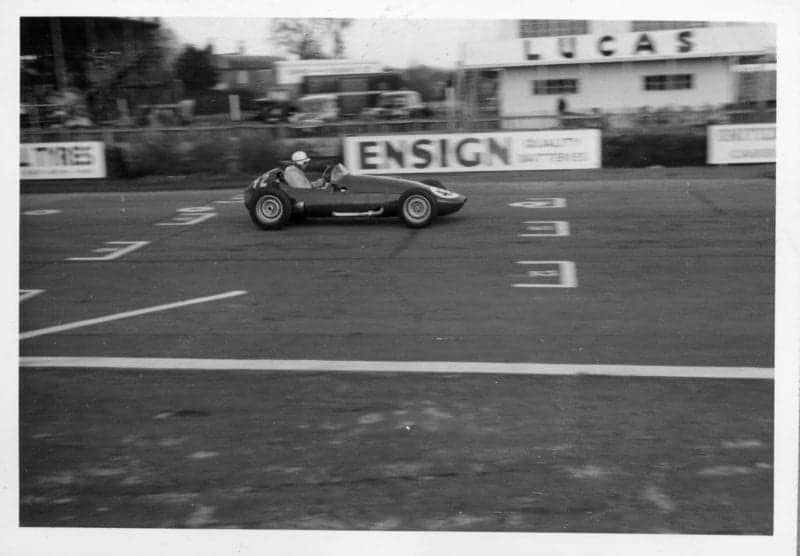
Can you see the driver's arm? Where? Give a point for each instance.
(320, 182)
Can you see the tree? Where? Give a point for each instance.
(338, 27)
(195, 68)
(305, 37)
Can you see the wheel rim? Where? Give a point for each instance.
(417, 208)
(269, 209)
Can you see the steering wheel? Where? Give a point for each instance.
(326, 174)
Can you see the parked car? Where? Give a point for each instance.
(315, 110)
(273, 111)
(398, 104)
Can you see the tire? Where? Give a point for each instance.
(433, 183)
(271, 210)
(417, 208)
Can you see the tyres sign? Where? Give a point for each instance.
(53, 161)
(470, 152)
(741, 144)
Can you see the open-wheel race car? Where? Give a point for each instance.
(272, 202)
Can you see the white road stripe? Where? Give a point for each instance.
(24, 295)
(113, 252)
(446, 367)
(127, 314)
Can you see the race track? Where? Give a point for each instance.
(613, 423)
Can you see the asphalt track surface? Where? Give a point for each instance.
(669, 272)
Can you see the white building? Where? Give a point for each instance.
(620, 66)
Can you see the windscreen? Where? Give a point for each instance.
(339, 171)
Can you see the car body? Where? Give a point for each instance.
(271, 202)
(398, 104)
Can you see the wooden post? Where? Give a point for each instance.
(236, 114)
(58, 53)
(234, 152)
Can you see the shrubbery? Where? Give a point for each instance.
(259, 156)
(666, 149)
(216, 102)
(176, 154)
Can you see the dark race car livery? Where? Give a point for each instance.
(272, 202)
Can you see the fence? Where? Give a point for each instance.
(623, 121)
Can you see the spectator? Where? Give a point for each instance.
(562, 111)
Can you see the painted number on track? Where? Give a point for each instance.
(190, 216)
(549, 274)
(540, 228)
(111, 253)
(541, 202)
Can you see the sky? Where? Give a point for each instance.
(393, 42)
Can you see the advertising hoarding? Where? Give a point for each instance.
(741, 144)
(622, 47)
(55, 161)
(471, 152)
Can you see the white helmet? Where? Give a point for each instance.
(300, 158)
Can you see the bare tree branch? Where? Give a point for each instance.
(305, 37)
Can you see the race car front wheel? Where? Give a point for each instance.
(271, 210)
(417, 208)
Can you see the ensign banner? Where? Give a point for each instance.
(54, 161)
(741, 144)
(473, 152)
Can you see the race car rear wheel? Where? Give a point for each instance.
(417, 208)
(271, 210)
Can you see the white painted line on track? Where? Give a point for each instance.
(127, 314)
(188, 219)
(41, 212)
(541, 202)
(566, 275)
(546, 228)
(195, 210)
(27, 294)
(113, 252)
(439, 367)
(238, 199)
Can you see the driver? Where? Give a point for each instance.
(294, 174)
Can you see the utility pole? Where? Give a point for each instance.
(58, 54)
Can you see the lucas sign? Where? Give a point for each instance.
(705, 42)
(741, 144)
(53, 161)
(473, 152)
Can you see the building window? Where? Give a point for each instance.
(667, 25)
(242, 77)
(530, 28)
(668, 82)
(555, 86)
